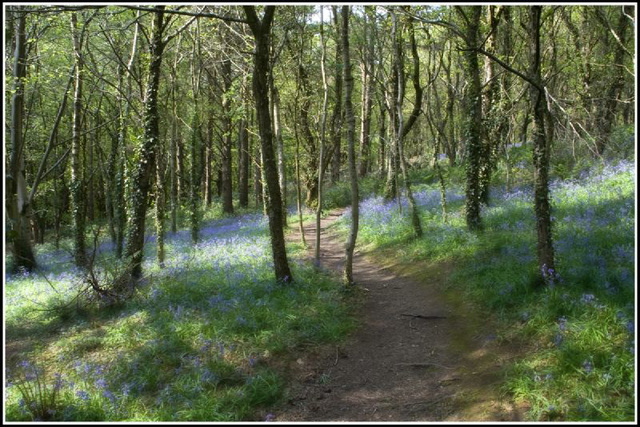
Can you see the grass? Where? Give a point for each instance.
(577, 335)
(201, 341)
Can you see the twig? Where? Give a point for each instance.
(423, 365)
(420, 316)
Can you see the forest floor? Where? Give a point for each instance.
(418, 354)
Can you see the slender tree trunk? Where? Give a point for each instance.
(227, 177)
(17, 208)
(160, 207)
(173, 191)
(491, 111)
(90, 193)
(382, 140)
(173, 144)
(280, 149)
(143, 173)
(299, 185)
(261, 29)
(243, 164)
(258, 191)
(77, 192)
(391, 96)
(399, 65)
(351, 124)
(208, 168)
(118, 151)
(243, 153)
(541, 146)
(336, 118)
(194, 193)
(472, 128)
(323, 126)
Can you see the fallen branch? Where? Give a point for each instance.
(423, 365)
(420, 316)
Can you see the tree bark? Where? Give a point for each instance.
(472, 129)
(227, 177)
(143, 173)
(261, 29)
(17, 208)
(368, 86)
(280, 150)
(403, 128)
(160, 207)
(351, 124)
(336, 118)
(491, 113)
(323, 126)
(541, 146)
(77, 191)
(194, 187)
(243, 164)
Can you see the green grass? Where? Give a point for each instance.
(578, 335)
(201, 341)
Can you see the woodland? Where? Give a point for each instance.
(178, 178)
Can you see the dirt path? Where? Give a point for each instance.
(413, 358)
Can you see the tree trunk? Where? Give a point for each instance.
(472, 129)
(491, 112)
(368, 86)
(173, 144)
(382, 140)
(160, 207)
(261, 30)
(541, 139)
(351, 124)
(280, 149)
(243, 164)
(391, 97)
(77, 193)
(227, 177)
(143, 173)
(208, 167)
(194, 187)
(336, 118)
(17, 208)
(299, 186)
(323, 127)
(403, 128)
(243, 152)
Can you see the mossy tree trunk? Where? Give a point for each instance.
(17, 208)
(261, 29)
(472, 125)
(142, 176)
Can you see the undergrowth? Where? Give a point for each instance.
(201, 340)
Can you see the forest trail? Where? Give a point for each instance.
(397, 365)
